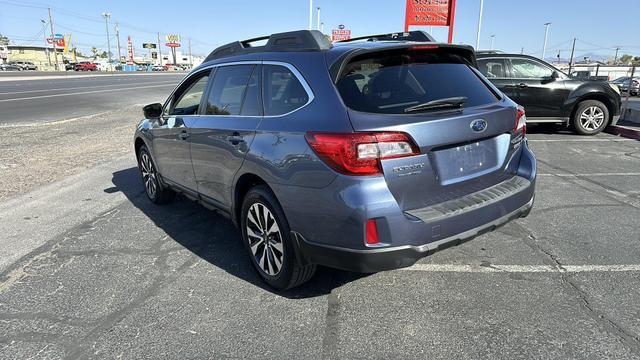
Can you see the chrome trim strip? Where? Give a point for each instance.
(289, 66)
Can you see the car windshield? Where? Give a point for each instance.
(391, 81)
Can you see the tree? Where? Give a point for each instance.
(94, 51)
(103, 55)
(625, 59)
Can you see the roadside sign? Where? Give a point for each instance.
(173, 40)
(340, 34)
(154, 55)
(148, 45)
(430, 12)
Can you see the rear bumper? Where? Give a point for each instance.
(331, 230)
(374, 260)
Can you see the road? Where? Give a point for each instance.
(47, 99)
(91, 269)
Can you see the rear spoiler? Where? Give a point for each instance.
(465, 52)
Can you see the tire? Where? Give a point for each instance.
(590, 118)
(280, 245)
(149, 175)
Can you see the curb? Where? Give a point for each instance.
(624, 131)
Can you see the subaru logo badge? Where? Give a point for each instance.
(478, 125)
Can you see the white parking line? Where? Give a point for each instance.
(593, 174)
(82, 87)
(581, 140)
(84, 92)
(521, 268)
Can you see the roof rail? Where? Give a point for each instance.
(301, 40)
(418, 36)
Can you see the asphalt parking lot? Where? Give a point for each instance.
(127, 279)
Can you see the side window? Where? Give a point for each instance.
(187, 101)
(524, 68)
(282, 91)
(493, 68)
(228, 90)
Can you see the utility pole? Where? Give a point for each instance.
(544, 46)
(492, 38)
(615, 58)
(322, 27)
(522, 50)
(159, 50)
(106, 17)
(310, 14)
(190, 58)
(573, 49)
(118, 40)
(55, 53)
(479, 26)
(318, 24)
(46, 46)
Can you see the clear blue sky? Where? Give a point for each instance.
(600, 26)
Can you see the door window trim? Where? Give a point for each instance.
(187, 78)
(212, 68)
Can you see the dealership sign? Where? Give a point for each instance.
(430, 13)
(148, 45)
(57, 40)
(173, 41)
(340, 34)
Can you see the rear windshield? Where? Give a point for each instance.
(390, 81)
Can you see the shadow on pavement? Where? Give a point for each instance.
(214, 238)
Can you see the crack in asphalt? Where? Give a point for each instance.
(608, 189)
(628, 337)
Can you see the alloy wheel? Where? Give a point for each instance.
(265, 240)
(148, 174)
(591, 118)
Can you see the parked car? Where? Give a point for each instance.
(586, 75)
(25, 65)
(86, 66)
(363, 156)
(550, 96)
(10, 67)
(157, 68)
(623, 84)
(69, 66)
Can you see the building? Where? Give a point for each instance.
(41, 56)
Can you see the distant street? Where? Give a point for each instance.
(44, 100)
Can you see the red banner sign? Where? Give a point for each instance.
(340, 34)
(430, 13)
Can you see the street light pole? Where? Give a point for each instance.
(55, 53)
(318, 24)
(310, 14)
(615, 58)
(546, 32)
(106, 17)
(46, 46)
(492, 38)
(322, 27)
(118, 40)
(479, 26)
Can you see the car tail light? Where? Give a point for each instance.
(521, 121)
(360, 153)
(371, 232)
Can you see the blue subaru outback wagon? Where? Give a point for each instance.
(364, 155)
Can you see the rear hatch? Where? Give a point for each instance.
(463, 128)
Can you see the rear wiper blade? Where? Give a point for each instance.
(455, 102)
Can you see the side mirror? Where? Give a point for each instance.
(152, 111)
(551, 78)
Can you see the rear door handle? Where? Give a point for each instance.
(183, 135)
(235, 138)
(522, 85)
